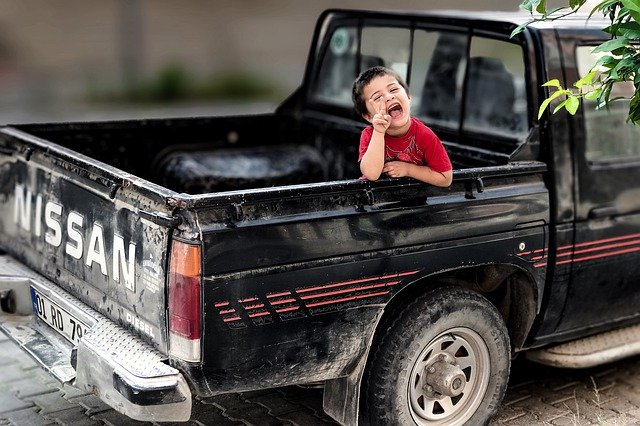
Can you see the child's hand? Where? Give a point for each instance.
(381, 120)
(396, 169)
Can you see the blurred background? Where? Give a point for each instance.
(114, 59)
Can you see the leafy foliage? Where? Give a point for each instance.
(175, 83)
(619, 60)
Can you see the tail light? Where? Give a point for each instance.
(185, 304)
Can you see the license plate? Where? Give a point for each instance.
(56, 317)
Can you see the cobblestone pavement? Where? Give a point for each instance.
(537, 395)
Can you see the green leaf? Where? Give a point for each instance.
(542, 7)
(552, 83)
(574, 4)
(612, 29)
(634, 109)
(560, 105)
(543, 106)
(633, 5)
(606, 4)
(586, 80)
(635, 15)
(623, 69)
(612, 45)
(630, 30)
(560, 93)
(547, 101)
(622, 14)
(593, 95)
(606, 92)
(520, 28)
(530, 5)
(602, 7)
(606, 61)
(573, 102)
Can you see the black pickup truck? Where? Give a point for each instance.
(153, 261)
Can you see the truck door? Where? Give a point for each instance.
(606, 251)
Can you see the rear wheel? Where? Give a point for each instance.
(444, 360)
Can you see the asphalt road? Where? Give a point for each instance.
(537, 395)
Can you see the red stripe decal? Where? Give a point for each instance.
(250, 299)
(220, 304)
(384, 277)
(259, 305)
(348, 290)
(601, 241)
(281, 301)
(604, 247)
(284, 293)
(231, 319)
(258, 314)
(347, 299)
(565, 254)
(598, 256)
(227, 311)
(292, 308)
(525, 253)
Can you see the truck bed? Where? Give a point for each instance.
(207, 155)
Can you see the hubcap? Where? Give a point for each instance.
(449, 378)
(444, 377)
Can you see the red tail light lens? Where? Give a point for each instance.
(185, 301)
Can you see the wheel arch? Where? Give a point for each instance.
(437, 303)
(511, 289)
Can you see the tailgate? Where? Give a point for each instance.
(87, 227)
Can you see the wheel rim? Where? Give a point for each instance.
(436, 396)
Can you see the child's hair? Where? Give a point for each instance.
(364, 78)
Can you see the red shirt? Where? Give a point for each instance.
(418, 146)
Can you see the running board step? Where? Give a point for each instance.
(591, 351)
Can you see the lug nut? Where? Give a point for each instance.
(456, 384)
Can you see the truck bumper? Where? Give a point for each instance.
(109, 361)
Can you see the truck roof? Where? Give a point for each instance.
(576, 21)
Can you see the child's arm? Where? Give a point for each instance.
(396, 169)
(372, 161)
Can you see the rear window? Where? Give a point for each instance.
(471, 84)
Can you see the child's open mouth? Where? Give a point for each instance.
(395, 111)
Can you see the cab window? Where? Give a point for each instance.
(609, 138)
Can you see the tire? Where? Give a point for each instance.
(443, 360)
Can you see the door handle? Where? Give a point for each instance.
(600, 212)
